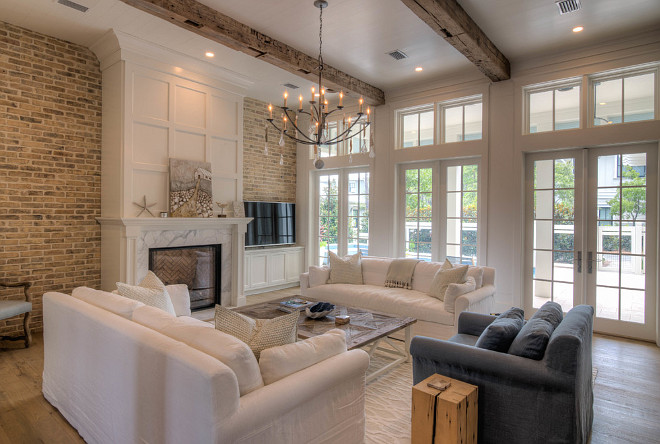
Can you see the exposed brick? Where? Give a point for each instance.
(50, 167)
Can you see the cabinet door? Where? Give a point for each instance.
(293, 262)
(258, 271)
(276, 268)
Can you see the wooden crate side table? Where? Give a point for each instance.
(448, 416)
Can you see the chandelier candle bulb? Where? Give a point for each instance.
(270, 110)
(300, 99)
(361, 103)
(368, 114)
(313, 93)
(286, 96)
(341, 99)
(284, 119)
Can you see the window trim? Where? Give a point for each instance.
(551, 86)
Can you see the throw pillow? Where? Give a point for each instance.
(318, 275)
(499, 335)
(278, 362)
(478, 274)
(180, 299)
(533, 339)
(444, 277)
(151, 291)
(347, 270)
(456, 290)
(258, 334)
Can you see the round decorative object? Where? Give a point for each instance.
(319, 310)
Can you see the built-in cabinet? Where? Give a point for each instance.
(269, 269)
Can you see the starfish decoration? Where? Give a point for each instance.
(144, 207)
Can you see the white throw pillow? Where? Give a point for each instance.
(258, 334)
(318, 276)
(455, 290)
(180, 299)
(444, 277)
(478, 274)
(278, 362)
(151, 291)
(347, 270)
(202, 336)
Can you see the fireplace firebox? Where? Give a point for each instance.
(196, 266)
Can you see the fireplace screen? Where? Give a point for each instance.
(198, 267)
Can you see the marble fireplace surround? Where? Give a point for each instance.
(125, 244)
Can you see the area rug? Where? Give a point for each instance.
(388, 403)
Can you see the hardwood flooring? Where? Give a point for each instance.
(626, 392)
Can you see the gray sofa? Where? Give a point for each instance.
(521, 400)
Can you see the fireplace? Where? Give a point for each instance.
(199, 267)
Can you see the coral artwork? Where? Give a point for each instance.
(190, 189)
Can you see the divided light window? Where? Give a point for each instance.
(553, 108)
(417, 128)
(461, 120)
(625, 97)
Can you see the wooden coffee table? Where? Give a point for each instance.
(366, 329)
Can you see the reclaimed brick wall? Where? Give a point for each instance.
(50, 166)
(264, 179)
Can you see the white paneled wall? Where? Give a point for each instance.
(160, 111)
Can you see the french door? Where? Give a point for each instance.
(591, 234)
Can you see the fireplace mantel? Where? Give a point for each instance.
(125, 243)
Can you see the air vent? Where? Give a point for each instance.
(73, 5)
(291, 86)
(397, 54)
(566, 6)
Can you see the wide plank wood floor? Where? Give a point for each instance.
(626, 392)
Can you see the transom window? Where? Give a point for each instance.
(624, 98)
(553, 108)
(461, 120)
(417, 127)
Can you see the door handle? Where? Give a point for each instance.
(590, 261)
(579, 261)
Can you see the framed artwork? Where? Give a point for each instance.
(190, 189)
(239, 209)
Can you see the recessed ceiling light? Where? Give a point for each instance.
(602, 103)
(209, 54)
(419, 69)
(578, 29)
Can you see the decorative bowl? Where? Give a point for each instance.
(319, 310)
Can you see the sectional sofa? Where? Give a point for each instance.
(123, 372)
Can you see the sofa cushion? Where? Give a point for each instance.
(374, 270)
(278, 362)
(150, 291)
(200, 335)
(501, 332)
(478, 274)
(258, 334)
(114, 303)
(424, 274)
(318, 275)
(395, 301)
(180, 299)
(444, 277)
(346, 270)
(456, 290)
(533, 338)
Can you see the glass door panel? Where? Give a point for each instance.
(328, 215)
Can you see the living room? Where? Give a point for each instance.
(96, 102)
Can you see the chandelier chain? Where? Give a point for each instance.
(320, 40)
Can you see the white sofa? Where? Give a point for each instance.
(432, 318)
(123, 372)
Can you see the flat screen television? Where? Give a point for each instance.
(274, 223)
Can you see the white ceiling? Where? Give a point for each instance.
(357, 33)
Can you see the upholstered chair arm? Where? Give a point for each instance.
(473, 323)
(25, 285)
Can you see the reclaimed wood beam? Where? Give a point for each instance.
(209, 23)
(448, 19)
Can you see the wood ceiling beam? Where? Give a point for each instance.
(448, 19)
(209, 23)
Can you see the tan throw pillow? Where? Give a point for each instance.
(347, 270)
(456, 290)
(151, 291)
(446, 265)
(318, 276)
(444, 277)
(478, 274)
(258, 334)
